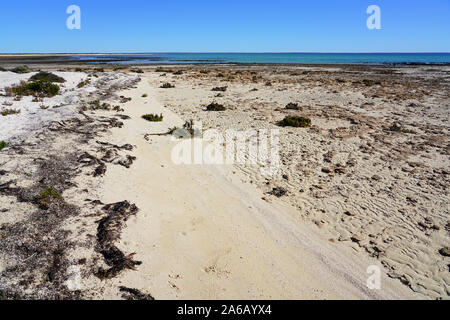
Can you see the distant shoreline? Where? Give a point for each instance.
(155, 59)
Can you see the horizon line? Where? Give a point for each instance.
(232, 52)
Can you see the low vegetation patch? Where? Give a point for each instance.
(7, 112)
(295, 121)
(47, 77)
(3, 145)
(35, 88)
(97, 105)
(47, 196)
(369, 82)
(167, 86)
(215, 107)
(21, 69)
(83, 83)
(164, 70)
(144, 95)
(153, 117)
(293, 106)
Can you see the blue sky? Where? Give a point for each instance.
(225, 26)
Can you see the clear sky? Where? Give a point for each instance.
(225, 26)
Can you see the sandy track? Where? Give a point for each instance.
(203, 234)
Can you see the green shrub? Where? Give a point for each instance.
(35, 88)
(83, 83)
(153, 117)
(46, 197)
(3, 145)
(215, 107)
(96, 105)
(2, 69)
(167, 86)
(49, 193)
(47, 77)
(295, 121)
(21, 69)
(144, 95)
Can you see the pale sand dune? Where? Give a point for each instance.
(203, 234)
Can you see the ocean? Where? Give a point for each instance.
(288, 58)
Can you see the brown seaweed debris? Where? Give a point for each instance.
(215, 107)
(278, 192)
(134, 294)
(108, 232)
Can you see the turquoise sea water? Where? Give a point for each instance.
(290, 58)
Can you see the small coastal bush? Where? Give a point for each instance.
(21, 69)
(83, 83)
(96, 105)
(223, 89)
(3, 145)
(46, 196)
(2, 69)
(35, 88)
(295, 121)
(7, 112)
(49, 193)
(167, 86)
(47, 77)
(144, 95)
(153, 117)
(293, 106)
(215, 107)
(179, 72)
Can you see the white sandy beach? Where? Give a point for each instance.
(212, 231)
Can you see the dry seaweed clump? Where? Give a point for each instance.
(108, 233)
(222, 89)
(398, 128)
(167, 86)
(215, 107)
(47, 77)
(153, 117)
(295, 121)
